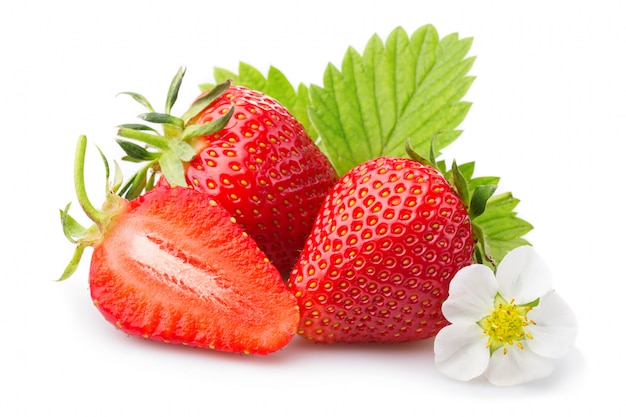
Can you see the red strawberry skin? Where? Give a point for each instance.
(173, 266)
(389, 237)
(265, 170)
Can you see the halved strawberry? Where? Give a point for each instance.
(389, 237)
(173, 266)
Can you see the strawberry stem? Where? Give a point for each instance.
(93, 213)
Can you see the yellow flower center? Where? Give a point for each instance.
(506, 325)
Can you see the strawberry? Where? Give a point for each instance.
(173, 266)
(246, 151)
(376, 267)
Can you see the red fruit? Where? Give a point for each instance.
(390, 236)
(264, 169)
(173, 266)
(259, 163)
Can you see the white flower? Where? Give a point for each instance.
(509, 326)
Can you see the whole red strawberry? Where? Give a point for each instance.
(389, 237)
(246, 151)
(173, 266)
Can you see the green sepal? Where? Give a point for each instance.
(118, 179)
(156, 141)
(172, 94)
(173, 169)
(72, 266)
(480, 196)
(71, 228)
(182, 149)
(135, 185)
(194, 131)
(166, 152)
(481, 248)
(162, 118)
(138, 126)
(113, 203)
(501, 227)
(460, 184)
(495, 226)
(136, 153)
(139, 99)
(205, 100)
(417, 157)
(150, 181)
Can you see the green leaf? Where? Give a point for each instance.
(495, 225)
(403, 87)
(220, 75)
(275, 85)
(501, 227)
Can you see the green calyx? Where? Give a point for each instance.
(496, 228)
(166, 151)
(79, 235)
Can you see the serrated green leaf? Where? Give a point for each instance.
(252, 77)
(220, 75)
(479, 181)
(403, 87)
(501, 227)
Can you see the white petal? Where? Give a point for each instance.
(471, 294)
(517, 367)
(461, 351)
(523, 275)
(556, 328)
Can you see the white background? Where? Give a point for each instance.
(547, 117)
